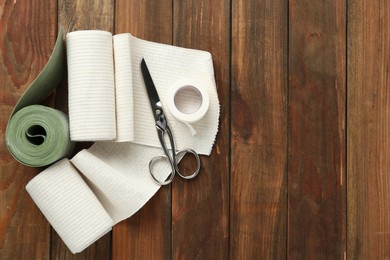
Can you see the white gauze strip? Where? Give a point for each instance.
(118, 174)
(123, 88)
(167, 65)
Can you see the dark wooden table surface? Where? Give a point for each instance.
(301, 165)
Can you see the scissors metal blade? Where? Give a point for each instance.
(151, 88)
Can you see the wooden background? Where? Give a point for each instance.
(301, 166)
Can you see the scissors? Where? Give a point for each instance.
(162, 130)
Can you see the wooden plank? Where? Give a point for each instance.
(316, 146)
(82, 15)
(368, 129)
(200, 208)
(147, 234)
(259, 130)
(27, 36)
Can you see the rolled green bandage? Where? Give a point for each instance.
(39, 135)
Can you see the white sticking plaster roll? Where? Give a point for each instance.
(69, 205)
(91, 86)
(188, 101)
(123, 88)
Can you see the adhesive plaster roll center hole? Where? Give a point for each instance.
(36, 134)
(188, 99)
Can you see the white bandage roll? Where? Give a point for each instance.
(69, 205)
(188, 101)
(91, 86)
(123, 88)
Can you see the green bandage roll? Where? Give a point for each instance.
(39, 135)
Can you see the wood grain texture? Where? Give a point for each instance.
(147, 234)
(258, 221)
(148, 20)
(200, 207)
(316, 152)
(86, 15)
(27, 36)
(368, 129)
(82, 15)
(276, 185)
